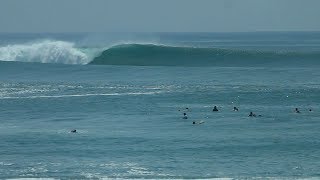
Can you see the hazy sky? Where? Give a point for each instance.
(159, 15)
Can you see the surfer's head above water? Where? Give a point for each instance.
(215, 108)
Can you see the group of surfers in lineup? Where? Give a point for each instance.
(215, 109)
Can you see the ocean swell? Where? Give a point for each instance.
(160, 55)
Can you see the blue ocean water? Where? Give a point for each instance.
(125, 94)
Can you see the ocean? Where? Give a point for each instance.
(125, 95)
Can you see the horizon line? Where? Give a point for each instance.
(159, 32)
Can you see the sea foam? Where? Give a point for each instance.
(46, 51)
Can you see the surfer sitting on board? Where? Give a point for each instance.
(252, 115)
(185, 116)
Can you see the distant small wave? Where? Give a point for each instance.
(32, 178)
(81, 95)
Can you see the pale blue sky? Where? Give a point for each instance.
(159, 15)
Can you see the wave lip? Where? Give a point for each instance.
(44, 52)
(161, 55)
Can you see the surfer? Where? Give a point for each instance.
(252, 115)
(73, 131)
(186, 109)
(185, 116)
(200, 122)
(215, 108)
(296, 110)
(235, 109)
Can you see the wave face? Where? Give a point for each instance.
(44, 52)
(160, 55)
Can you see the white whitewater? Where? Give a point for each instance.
(46, 51)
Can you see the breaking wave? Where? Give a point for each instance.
(44, 52)
(160, 55)
(63, 52)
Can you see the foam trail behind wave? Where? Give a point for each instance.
(44, 52)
